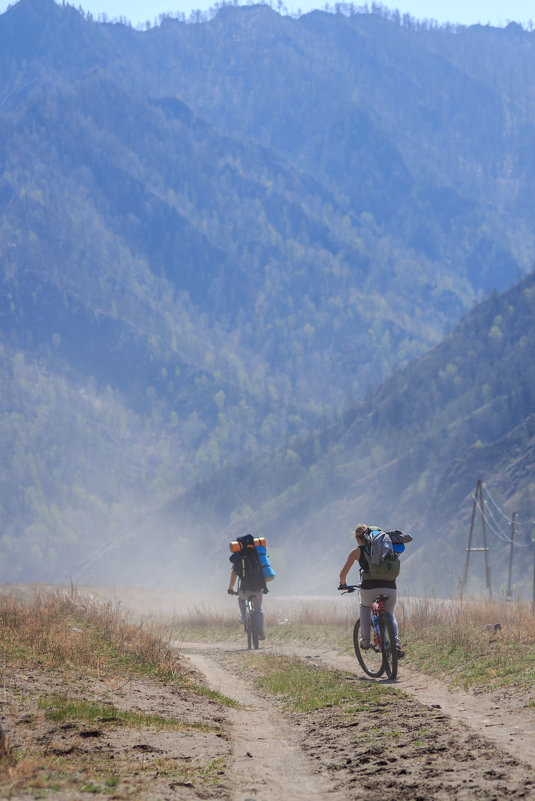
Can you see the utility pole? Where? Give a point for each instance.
(479, 495)
(486, 550)
(533, 596)
(469, 548)
(511, 556)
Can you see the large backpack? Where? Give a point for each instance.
(381, 553)
(246, 565)
(260, 548)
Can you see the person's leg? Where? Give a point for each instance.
(241, 604)
(367, 597)
(257, 608)
(389, 605)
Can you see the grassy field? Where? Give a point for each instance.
(92, 703)
(458, 642)
(306, 688)
(479, 644)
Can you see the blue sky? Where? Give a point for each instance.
(466, 12)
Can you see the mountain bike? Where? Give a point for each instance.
(382, 654)
(251, 623)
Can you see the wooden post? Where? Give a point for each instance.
(509, 592)
(487, 568)
(479, 495)
(533, 597)
(469, 548)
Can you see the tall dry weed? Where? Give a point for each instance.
(58, 628)
(512, 619)
(477, 643)
(277, 611)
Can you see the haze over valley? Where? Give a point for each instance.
(262, 273)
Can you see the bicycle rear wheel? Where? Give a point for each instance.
(253, 620)
(249, 632)
(390, 649)
(370, 660)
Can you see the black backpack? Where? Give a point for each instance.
(247, 567)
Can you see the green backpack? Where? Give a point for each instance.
(387, 570)
(383, 561)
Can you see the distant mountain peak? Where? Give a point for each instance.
(248, 16)
(34, 13)
(37, 7)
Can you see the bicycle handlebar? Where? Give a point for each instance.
(349, 588)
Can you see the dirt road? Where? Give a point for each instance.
(431, 744)
(499, 719)
(267, 759)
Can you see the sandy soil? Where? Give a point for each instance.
(268, 761)
(500, 718)
(429, 745)
(101, 760)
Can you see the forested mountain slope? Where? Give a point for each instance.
(215, 236)
(423, 128)
(408, 457)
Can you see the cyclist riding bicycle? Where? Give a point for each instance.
(369, 589)
(249, 589)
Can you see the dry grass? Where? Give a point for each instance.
(448, 638)
(58, 629)
(476, 644)
(286, 620)
(79, 652)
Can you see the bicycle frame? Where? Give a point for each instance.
(378, 608)
(382, 655)
(250, 625)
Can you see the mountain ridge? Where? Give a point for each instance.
(224, 234)
(383, 460)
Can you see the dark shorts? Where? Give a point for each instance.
(375, 584)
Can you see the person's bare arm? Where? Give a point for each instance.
(351, 559)
(232, 582)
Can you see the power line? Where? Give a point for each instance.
(487, 510)
(524, 523)
(496, 505)
(501, 535)
(518, 521)
(489, 521)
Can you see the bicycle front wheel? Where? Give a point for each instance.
(390, 649)
(370, 659)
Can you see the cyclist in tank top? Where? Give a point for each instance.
(369, 589)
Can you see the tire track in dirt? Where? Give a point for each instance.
(267, 760)
(511, 729)
(391, 749)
